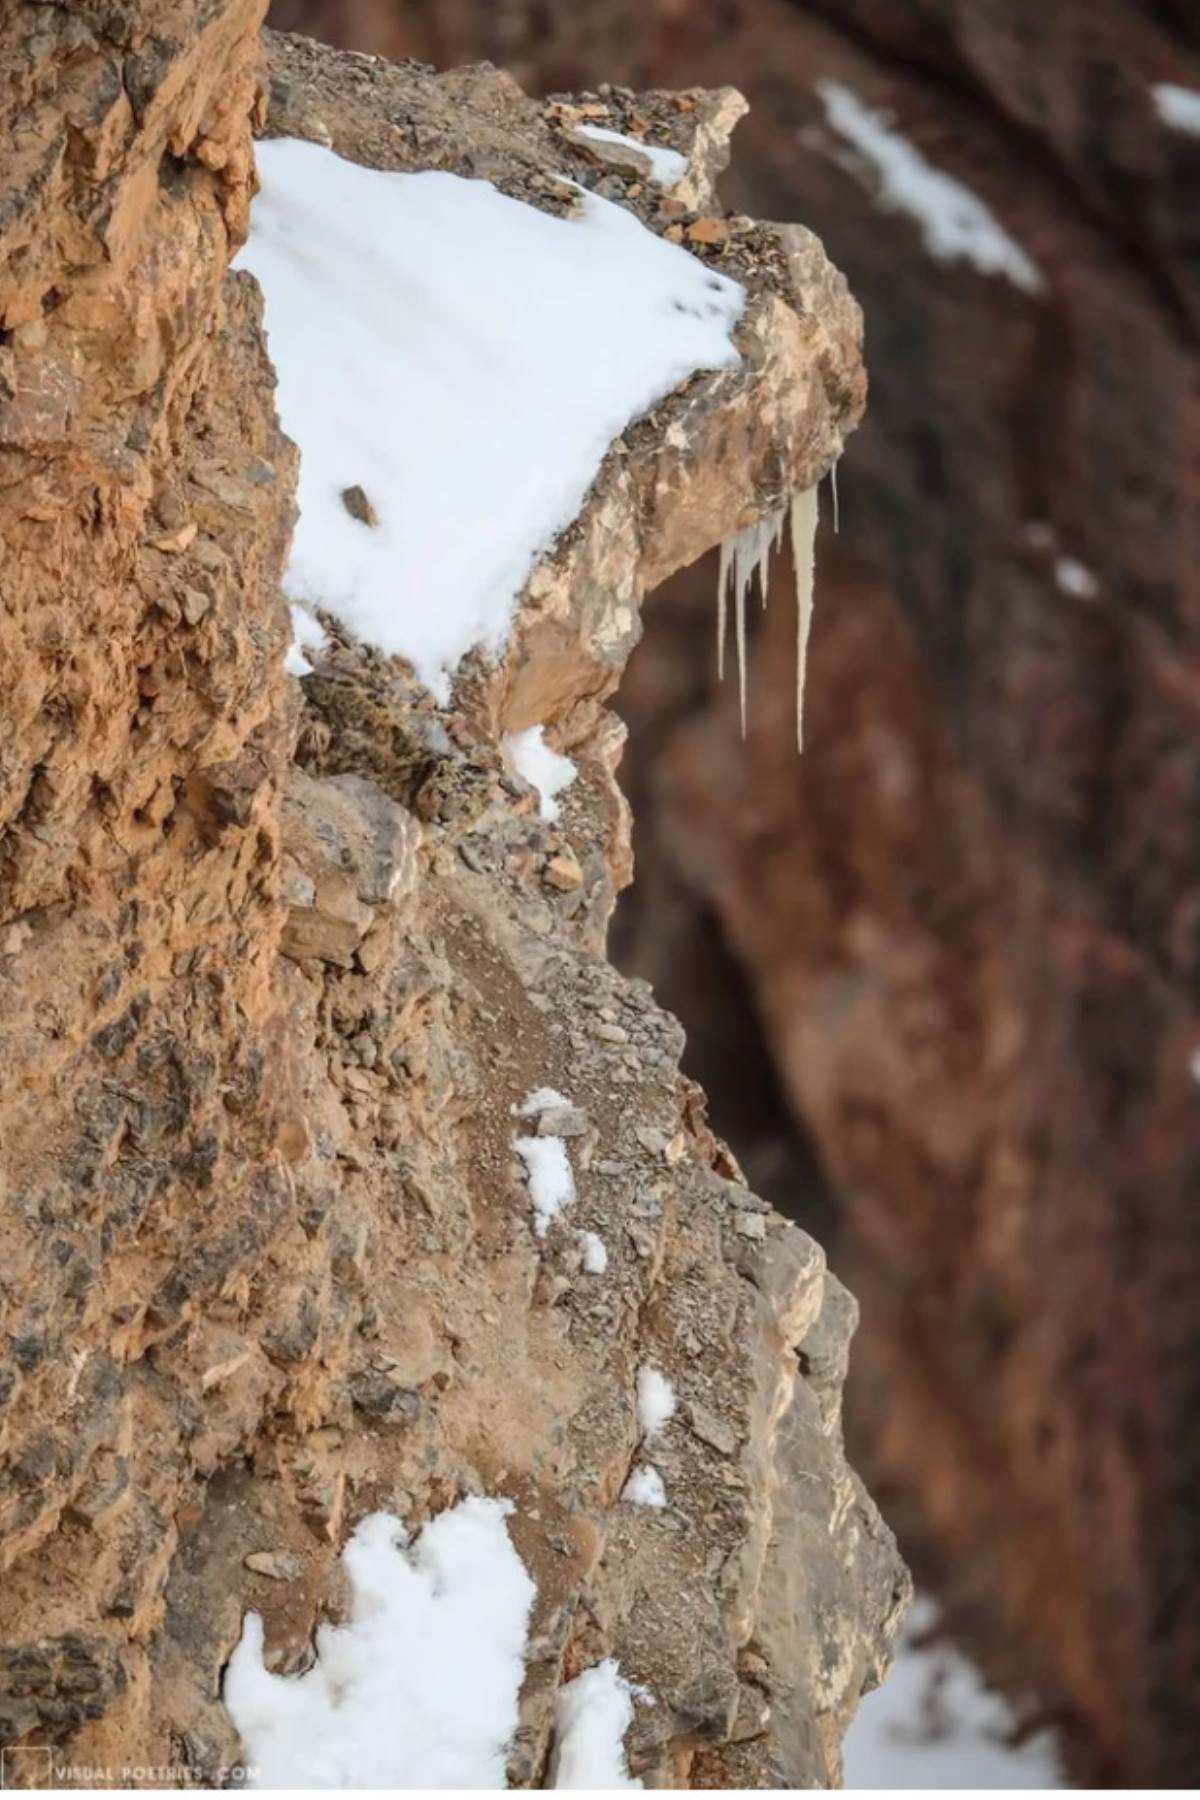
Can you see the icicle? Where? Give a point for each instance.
(837, 511)
(804, 541)
(742, 559)
(722, 622)
(742, 584)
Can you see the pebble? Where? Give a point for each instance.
(276, 1565)
(610, 1034)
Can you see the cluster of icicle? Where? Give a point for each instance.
(749, 554)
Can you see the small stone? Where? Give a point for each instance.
(195, 604)
(708, 231)
(173, 543)
(355, 501)
(751, 1225)
(563, 872)
(710, 1429)
(276, 1565)
(610, 1034)
(650, 1139)
(561, 1121)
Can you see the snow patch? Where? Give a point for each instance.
(308, 640)
(655, 1401)
(645, 1487)
(934, 1724)
(419, 1688)
(1074, 579)
(544, 769)
(542, 1100)
(595, 1253)
(551, 1182)
(592, 1715)
(667, 167)
(1178, 107)
(466, 361)
(954, 222)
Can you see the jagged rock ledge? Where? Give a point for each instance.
(274, 974)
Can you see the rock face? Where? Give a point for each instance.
(970, 920)
(277, 972)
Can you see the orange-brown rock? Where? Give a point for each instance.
(277, 971)
(969, 920)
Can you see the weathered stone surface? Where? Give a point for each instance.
(969, 919)
(268, 1254)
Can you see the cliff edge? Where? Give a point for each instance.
(300, 979)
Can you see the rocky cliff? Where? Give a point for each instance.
(969, 925)
(279, 963)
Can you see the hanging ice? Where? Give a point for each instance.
(747, 554)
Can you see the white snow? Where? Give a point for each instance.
(542, 1100)
(645, 1487)
(934, 1724)
(667, 167)
(551, 1182)
(307, 636)
(592, 1715)
(595, 1253)
(1074, 579)
(543, 768)
(954, 222)
(1178, 107)
(419, 1688)
(466, 360)
(655, 1401)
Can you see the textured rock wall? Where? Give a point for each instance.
(276, 969)
(970, 920)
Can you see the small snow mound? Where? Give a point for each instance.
(645, 1488)
(954, 222)
(542, 1100)
(1178, 107)
(551, 1181)
(595, 1253)
(544, 769)
(465, 361)
(1074, 579)
(308, 640)
(419, 1688)
(655, 1401)
(592, 1715)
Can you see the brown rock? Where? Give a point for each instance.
(276, 1325)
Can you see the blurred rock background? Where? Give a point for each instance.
(941, 977)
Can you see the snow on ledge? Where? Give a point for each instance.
(645, 1487)
(954, 222)
(667, 167)
(546, 771)
(420, 1687)
(454, 364)
(1178, 107)
(655, 1401)
(592, 1715)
